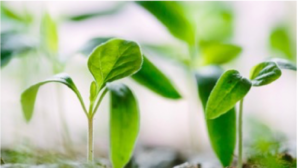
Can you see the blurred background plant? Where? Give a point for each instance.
(179, 38)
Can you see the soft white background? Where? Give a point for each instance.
(163, 122)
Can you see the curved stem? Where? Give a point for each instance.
(240, 136)
(99, 101)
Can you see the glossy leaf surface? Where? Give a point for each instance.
(264, 73)
(152, 78)
(230, 88)
(124, 124)
(113, 60)
(221, 130)
(28, 97)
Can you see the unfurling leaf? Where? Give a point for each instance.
(264, 73)
(151, 77)
(113, 60)
(172, 15)
(222, 129)
(230, 88)
(124, 124)
(29, 95)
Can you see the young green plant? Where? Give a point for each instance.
(231, 87)
(108, 62)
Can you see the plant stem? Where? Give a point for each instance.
(240, 136)
(90, 140)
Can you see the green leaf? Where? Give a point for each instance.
(221, 130)
(152, 78)
(49, 34)
(114, 60)
(11, 15)
(264, 73)
(93, 43)
(284, 64)
(172, 15)
(124, 124)
(218, 53)
(13, 44)
(215, 20)
(230, 88)
(117, 8)
(281, 41)
(29, 95)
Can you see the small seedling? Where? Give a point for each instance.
(108, 62)
(232, 87)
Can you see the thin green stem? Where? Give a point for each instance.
(90, 140)
(99, 101)
(240, 136)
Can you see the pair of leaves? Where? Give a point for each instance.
(149, 75)
(113, 60)
(232, 87)
(222, 129)
(172, 15)
(218, 53)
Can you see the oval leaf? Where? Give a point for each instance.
(29, 95)
(230, 88)
(264, 73)
(152, 78)
(218, 53)
(124, 124)
(172, 15)
(113, 60)
(284, 64)
(221, 130)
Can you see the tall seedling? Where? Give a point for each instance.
(108, 62)
(232, 87)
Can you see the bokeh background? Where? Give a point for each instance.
(176, 124)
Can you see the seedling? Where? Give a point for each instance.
(231, 87)
(108, 62)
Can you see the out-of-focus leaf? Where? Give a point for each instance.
(113, 60)
(218, 53)
(8, 13)
(230, 88)
(49, 35)
(90, 15)
(92, 44)
(168, 51)
(124, 124)
(29, 95)
(152, 78)
(282, 42)
(214, 20)
(284, 64)
(13, 44)
(172, 15)
(264, 73)
(221, 130)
